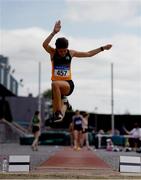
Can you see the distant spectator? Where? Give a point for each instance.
(116, 132)
(134, 142)
(101, 131)
(110, 144)
(36, 123)
(77, 124)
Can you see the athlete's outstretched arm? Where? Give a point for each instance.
(90, 53)
(56, 29)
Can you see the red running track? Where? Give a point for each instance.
(70, 159)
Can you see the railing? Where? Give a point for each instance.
(99, 136)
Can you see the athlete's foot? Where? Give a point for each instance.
(33, 148)
(58, 116)
(78, 148)
(36, 148)
(88, 148)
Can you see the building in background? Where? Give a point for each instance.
(13, 107)
(6, 78)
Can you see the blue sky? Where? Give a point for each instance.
(42, 13)
(88, 24)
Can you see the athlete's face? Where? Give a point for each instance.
(62, 51)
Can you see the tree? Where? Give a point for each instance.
(47, 94)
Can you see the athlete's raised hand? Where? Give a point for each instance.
(57, 27)
(107, 47)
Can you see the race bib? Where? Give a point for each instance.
(78, 122)
(62, 71)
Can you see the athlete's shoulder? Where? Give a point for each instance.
(71, 52)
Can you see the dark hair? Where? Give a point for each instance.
(76, 111)
(61, 43)
(136, 125)
(85, 114)
(37, 112)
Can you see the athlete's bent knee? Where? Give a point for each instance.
(55, 85)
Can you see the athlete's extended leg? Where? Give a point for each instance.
(65, 105)
(59, 89)
(36, 140)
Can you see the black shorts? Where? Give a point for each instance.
(35, 129)
(78, 128)
(71, 87)
(85, 131)
(71, 84)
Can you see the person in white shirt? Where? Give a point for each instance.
(135, 141)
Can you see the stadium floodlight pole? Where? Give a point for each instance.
(112, 99)
(39, 86)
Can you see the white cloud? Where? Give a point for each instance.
(24, 49)
(134, 22)
(91, 76)
(98, 11)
